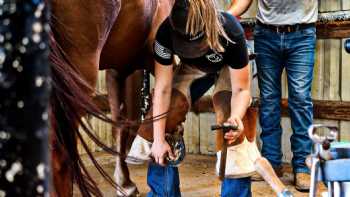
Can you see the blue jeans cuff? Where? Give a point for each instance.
(301, 170)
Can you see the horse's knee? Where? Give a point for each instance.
(177, 114)
(178, 109)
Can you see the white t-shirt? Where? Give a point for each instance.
(287, 12)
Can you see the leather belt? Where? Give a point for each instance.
(286, 28)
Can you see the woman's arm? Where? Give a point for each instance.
(161, 102)
(240, 100)
(240, 83)
(239, 7)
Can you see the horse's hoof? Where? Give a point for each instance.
(129, 192)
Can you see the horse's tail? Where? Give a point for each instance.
(69, 101)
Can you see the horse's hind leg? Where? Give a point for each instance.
(115, 86)
(62, 176)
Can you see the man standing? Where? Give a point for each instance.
(285, 38)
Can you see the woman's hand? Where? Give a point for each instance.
(232, 136)
(160, 149)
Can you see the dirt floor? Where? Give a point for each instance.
(196, 175)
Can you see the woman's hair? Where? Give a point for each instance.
(204, 16)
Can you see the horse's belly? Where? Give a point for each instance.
(128, 38)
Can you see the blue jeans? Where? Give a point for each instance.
(295, 52)
(164, 182)
(236, 187)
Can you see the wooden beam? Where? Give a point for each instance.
(329, 25)
(330, 110)
(323, 109)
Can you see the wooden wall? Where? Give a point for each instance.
(103, 130)
(331, 82)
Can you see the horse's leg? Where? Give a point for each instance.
(62, 176)
(179, 107)
(115, 88)
(132, 101)
(221, 100)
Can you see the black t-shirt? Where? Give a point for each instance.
(235, 54)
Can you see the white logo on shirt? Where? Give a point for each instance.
(214, 57)
(162, 51)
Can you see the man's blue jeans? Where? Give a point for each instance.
(295, 52)
(164, 182)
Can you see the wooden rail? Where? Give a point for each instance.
(330, 110)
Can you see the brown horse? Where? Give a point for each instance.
(88, 36)
(110, 34)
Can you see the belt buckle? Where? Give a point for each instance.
(289, 29)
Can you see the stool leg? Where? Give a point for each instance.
(330, 189)
(337, 190)
(315, 165)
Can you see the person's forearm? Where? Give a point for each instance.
(239, 7)
(161, 102)
(240, 101)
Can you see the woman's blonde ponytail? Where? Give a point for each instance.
(203, 16)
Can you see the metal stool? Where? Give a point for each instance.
(330, 162)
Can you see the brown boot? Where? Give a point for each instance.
(302, 182)
(257, 177)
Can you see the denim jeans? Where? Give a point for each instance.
(295, 52)
(164, 182)
(236, 187)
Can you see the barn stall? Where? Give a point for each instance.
(331, 94)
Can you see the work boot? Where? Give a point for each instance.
(257, 177)
(302, 182)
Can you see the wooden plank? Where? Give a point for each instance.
(322, 6)
(207, 137)
(329, 5)
(345, 73)
(338, 29)
(323, 109)
(254, 73)
(192, 129)
(331, 88)
(317, 83)
(108, 130)
(344, 130)
(286, 146)
(345, 4)
(203, 133)
(345, 90)
(284, 84)
(332, 69)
